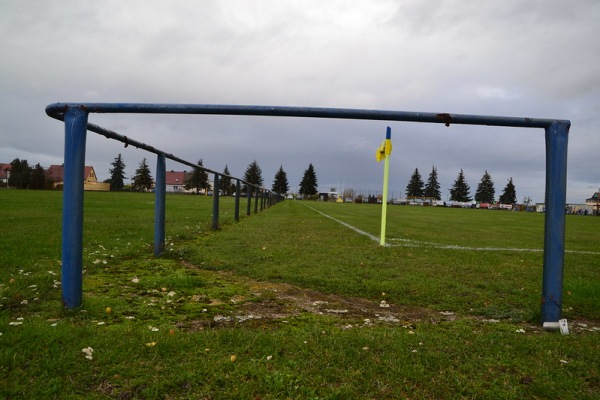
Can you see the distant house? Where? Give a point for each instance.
(328, 196)
(595, 199)
(90, 180)
(56, 173)
(4, 174)
(175, 181)
(594, 203)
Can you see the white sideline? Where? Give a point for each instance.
(414, 243)
(372, 237)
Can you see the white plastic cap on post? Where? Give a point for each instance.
(564, 327)
(561, 325)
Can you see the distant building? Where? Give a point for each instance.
(175, 181)
(57, 173)
(90, 180)
(594, 203)
(4, 174)
(595, 199)
(328, 196)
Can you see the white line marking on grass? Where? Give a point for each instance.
(372, 237)
(582, 252)
(415, 243)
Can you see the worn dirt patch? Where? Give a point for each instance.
(274, 303)
(292, 300)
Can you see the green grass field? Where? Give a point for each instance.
(290, 303)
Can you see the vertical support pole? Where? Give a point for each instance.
(249, 196)
(238, 189)
(256, 199)
(215, 216)
(557, 136)
(159, 204)
(263, 193)
(72, 218)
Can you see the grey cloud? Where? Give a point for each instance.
(515, 58)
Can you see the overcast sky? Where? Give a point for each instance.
(507, 57)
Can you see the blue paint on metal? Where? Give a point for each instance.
(75, 114)
(215, 216)
(57, 109)
(139, 145)
(554, 230)
(72, 219)
(249, 199)
(388, 133)
(238, 189)
(159, 205)
(256, 194)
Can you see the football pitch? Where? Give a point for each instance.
(298, 301)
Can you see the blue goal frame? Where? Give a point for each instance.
(75, 117)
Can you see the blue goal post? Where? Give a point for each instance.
(75, 117)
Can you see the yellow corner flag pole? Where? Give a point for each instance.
(383, 153)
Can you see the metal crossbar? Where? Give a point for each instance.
(75, 116)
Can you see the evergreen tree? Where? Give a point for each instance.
(38, 177)
(117, 173)
(198, 179)
(485, 190)
(253, 174)
(308, 185)
(142, 180)
(225, 182)
(20, 174)
(432, 187)
(280, 184)
(509, 195)
(460, 189)
(415, 185)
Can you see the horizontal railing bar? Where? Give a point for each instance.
(128, 141)
(56, 109)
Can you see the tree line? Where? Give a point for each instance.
(198, 178)
(24, 176)
(460, 190)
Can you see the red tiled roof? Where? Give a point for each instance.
(57, 172)
(175, 177)
(3, 168)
